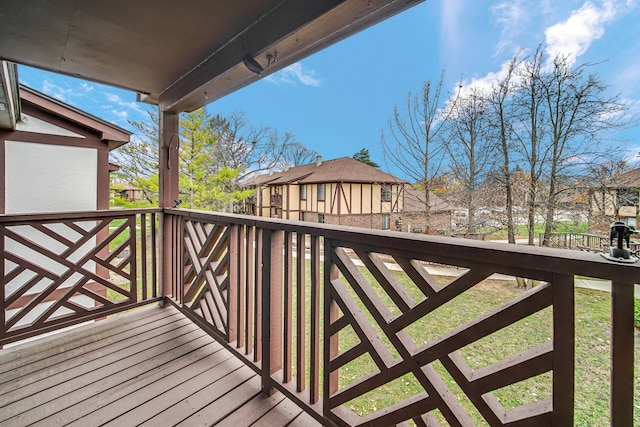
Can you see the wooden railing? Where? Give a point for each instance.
(582, 242)
(63, 269)
(331, 315)
(579, 241)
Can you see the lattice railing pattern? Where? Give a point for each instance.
(205, 275)
(332, 317)
(59, 272)
(396, 354)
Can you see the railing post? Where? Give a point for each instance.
(3, 312)
(232, 292)
(563, 350)
(330, 379)
(301, 312)
(271, 306)
(622, 343)
(314, 328)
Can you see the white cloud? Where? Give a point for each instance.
(512, 17)
(574, 36)
(485, 83)
(450, 31)
(56, 91)
(571, 37)
(115, 99)
(294, 74)
(121, 114)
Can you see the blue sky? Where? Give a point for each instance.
(338, 100)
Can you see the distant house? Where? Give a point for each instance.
(617, 200)
(414, 219)
(55, 157)
(341, 191)
(126, 191)
(348, 192)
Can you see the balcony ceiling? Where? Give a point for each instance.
(179, 55)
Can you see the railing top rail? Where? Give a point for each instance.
(75, 215)
(506, 258)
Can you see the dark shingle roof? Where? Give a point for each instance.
(628, 180)
(344, 169)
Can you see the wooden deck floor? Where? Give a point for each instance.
(149, 367)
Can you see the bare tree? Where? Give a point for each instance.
(529, 130)
(415, 141)
(578, 110)
(245, 148)
(499, 114)
(470, 148)
(297, 154)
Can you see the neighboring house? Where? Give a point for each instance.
(618, 200)
(126, 191)
(55, 157)
(441, 213)
(341, 191)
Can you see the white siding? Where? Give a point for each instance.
(49, 178)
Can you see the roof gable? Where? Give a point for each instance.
(344, 169)
(111, 134)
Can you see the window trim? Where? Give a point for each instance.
(386, 193)
(324, 192)
(386, 220)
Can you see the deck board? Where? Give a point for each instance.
(149, 367)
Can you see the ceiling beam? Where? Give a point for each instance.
(288, 17)
(290, 32)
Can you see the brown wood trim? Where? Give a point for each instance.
(24, 300)
(314, 338)
(20, 334)
(564, 350)
(34, 101)
(40, 138)
(3, 178)
(102, 198)
(622, 353)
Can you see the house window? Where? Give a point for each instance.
(386, 221)
(303, 192)
(385, 193)
(303, 216)
(321, 192)
(321, 218)
(627, 197)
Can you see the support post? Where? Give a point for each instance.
(168, 192)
